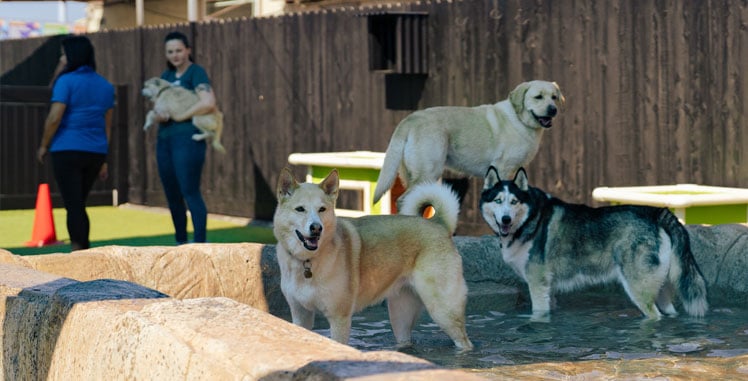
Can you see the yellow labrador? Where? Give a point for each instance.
(470, 139)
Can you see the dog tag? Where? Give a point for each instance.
(307, 269)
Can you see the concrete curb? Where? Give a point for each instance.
(60, 329)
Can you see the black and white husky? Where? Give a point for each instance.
(554, 246)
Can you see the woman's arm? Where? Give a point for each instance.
(50, 128)
(108, 124)
(205, 105)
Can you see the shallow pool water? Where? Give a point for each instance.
(591, 325)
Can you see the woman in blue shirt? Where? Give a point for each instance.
(77, 131)
(181, 159)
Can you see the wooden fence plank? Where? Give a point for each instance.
(656, 91)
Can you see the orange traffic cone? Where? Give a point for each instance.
(44, 223)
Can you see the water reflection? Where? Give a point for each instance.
(586, 326)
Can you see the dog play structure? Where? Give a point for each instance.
(692, 204)
(358, 171)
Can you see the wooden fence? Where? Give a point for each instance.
(656, 91)
(23, 110)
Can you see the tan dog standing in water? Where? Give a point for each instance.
(339, 266)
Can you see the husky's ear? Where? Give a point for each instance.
(517, 97)
(492, 178)
(331, 184)
(286, 185)
(561, 100)
(520, 179)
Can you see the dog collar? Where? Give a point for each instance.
(162, 90)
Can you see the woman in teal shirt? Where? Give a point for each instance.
(77, 131)
(181, 159)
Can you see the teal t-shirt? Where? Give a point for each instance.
(194, 76)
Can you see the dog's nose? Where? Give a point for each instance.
(316, 229)
(506, 220)
(552, 110)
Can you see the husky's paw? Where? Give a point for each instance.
(540, 317)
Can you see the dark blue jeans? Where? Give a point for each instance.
(180, 165)
(75, 173)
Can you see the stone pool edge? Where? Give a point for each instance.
(100, 314)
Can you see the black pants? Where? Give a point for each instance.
(75, 173)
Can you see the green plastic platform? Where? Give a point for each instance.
(691, 203)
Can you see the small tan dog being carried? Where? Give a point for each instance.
(174, 100)
(470, 139)
(339, 266)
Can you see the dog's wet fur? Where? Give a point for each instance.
(338, 266)
(556, 246)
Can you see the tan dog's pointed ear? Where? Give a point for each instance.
(286, 185)
(331, 184)
(561, 100)
(517, 97)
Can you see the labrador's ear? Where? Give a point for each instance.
(561, 100)
(517, 97)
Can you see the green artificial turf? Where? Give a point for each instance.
(121, 226)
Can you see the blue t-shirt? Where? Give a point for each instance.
(194, 76)
(87, 97)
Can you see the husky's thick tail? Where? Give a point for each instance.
(445, 202)
(392, 159)
(684, 272)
